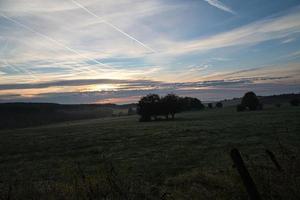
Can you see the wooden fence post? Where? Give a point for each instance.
(273, 158)
(246, 178)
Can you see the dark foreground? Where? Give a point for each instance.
(121, 158)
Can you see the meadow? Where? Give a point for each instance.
(185, 158)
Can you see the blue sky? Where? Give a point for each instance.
(92, 51)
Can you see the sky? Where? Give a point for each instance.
(104, 51)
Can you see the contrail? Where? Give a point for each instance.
(14, 67)
(220, 5)
(4, 59)
(54, 41)
(19, 69)
(113, 26)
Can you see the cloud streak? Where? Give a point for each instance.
(254, 33)
(54, 41)
(264, 80)
(102, 20)
(206, 91)
(218, 4)
(71, 46)
(140, 84)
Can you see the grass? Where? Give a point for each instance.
(121, 158)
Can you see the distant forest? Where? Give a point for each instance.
(19, 115)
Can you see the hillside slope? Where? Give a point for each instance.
(188, 158)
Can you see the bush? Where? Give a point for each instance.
(294, 102)
(250, 101)
(210, 105)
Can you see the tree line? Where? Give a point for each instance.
(152, 106)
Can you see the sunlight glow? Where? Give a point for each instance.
(102, 87)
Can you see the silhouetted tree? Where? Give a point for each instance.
(294, 102)
(152, 106)
(189, 103)
(170, 105)
(148, 106)
(210, 105)
(250, 101)
(219, 105)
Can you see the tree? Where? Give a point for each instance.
(148, 106)
(250, 101)
(219, 105)
(153, 106)
(170, 105)
(294, 102)
(196, 104)
(210, 105)
(189, 103)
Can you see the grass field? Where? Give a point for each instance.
(121, 158)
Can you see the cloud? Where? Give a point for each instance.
(194, 68)
(102, 20)
(57, 44)
(290, 71)
(263, 30)
(293, 54)
(206, 91)
(220, 5)
(54, 41)
(129, 84)
(42, 34)
(264, 80)
(288, 40)
(78, 82)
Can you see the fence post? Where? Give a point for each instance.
(246, 178)
(273, 158)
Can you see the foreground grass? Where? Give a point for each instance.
(121, 158)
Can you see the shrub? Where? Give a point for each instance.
(251, 101)
(210, 105)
